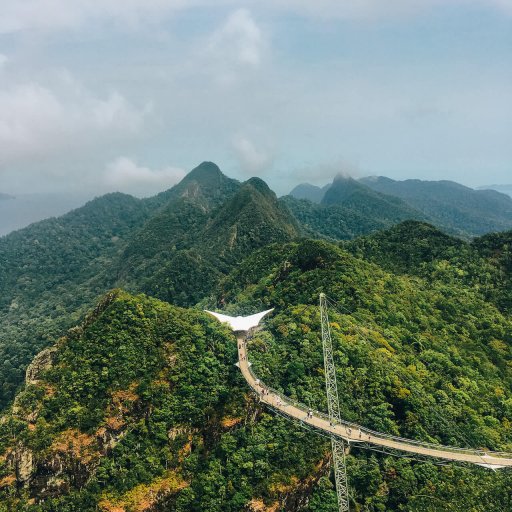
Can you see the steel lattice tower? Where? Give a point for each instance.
(338, 445)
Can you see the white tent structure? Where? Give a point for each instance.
(240, 323)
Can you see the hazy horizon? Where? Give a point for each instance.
(123, 96)
(22, 210)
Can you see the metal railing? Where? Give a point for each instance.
(364, 430)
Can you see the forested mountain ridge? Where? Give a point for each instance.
(189, 246)
(420, 249)
(310, 192)
(141, 405)
(52, 270)
(448, 205)
(175, 246)
(452, 205)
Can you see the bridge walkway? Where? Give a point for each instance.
(353, 433)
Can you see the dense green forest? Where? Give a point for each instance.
(136, 404)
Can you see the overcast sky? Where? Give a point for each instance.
(128, 95)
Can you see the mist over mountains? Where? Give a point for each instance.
(19, 211)
(458, 209)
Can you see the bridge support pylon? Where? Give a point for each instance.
(333, 404)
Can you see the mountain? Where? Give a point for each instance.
(450, 205)
(310, 192)
(135, 404)
(175, 246)
(352, 194)
(52, 271)
(5, 197)
(504, 189)
(457, 209)
(348, 209)
(140, 406)
(409, 247)
(420, 249)
(183, 251)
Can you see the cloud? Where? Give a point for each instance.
(126, 175)
(325, 172)
(376, 9)
(252, 160)
(53, 15)
(235, 48)
(3, 60)
(239, 39)
(37, 122)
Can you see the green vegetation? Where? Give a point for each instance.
(140, 407)
(175, 246)
(51, 272)
(380, 202)
(454, 207)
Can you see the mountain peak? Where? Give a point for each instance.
(310, 192)
(259, 185)
(205, 171)
(205, 184)
(343, 187)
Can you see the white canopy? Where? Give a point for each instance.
(240, 323)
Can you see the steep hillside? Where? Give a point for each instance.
(141, 407)
(352, 194)
(496, 250)
(451, 205)
(429, 360)
(334, 222)
(416, 248)
(175, 246)
(410, 247)
(182, 253)
(349, 209)
(51, 271)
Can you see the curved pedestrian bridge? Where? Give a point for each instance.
(353, 433)
(346, 431)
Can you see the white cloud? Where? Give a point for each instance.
(251, 159)
(239, 39)
(127, 176)
(54, 15)
(51, 15)
(36, 121)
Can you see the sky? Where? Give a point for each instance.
(129, 95)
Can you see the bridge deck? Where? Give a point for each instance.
(356, 434)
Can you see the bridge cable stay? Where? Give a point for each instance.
(338, 445)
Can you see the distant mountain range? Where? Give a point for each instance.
(458, 209)
(505, 189)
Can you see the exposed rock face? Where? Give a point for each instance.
(42, 362)
(299, 497)
(23, 461)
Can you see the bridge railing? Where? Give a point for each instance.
(364, 430)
